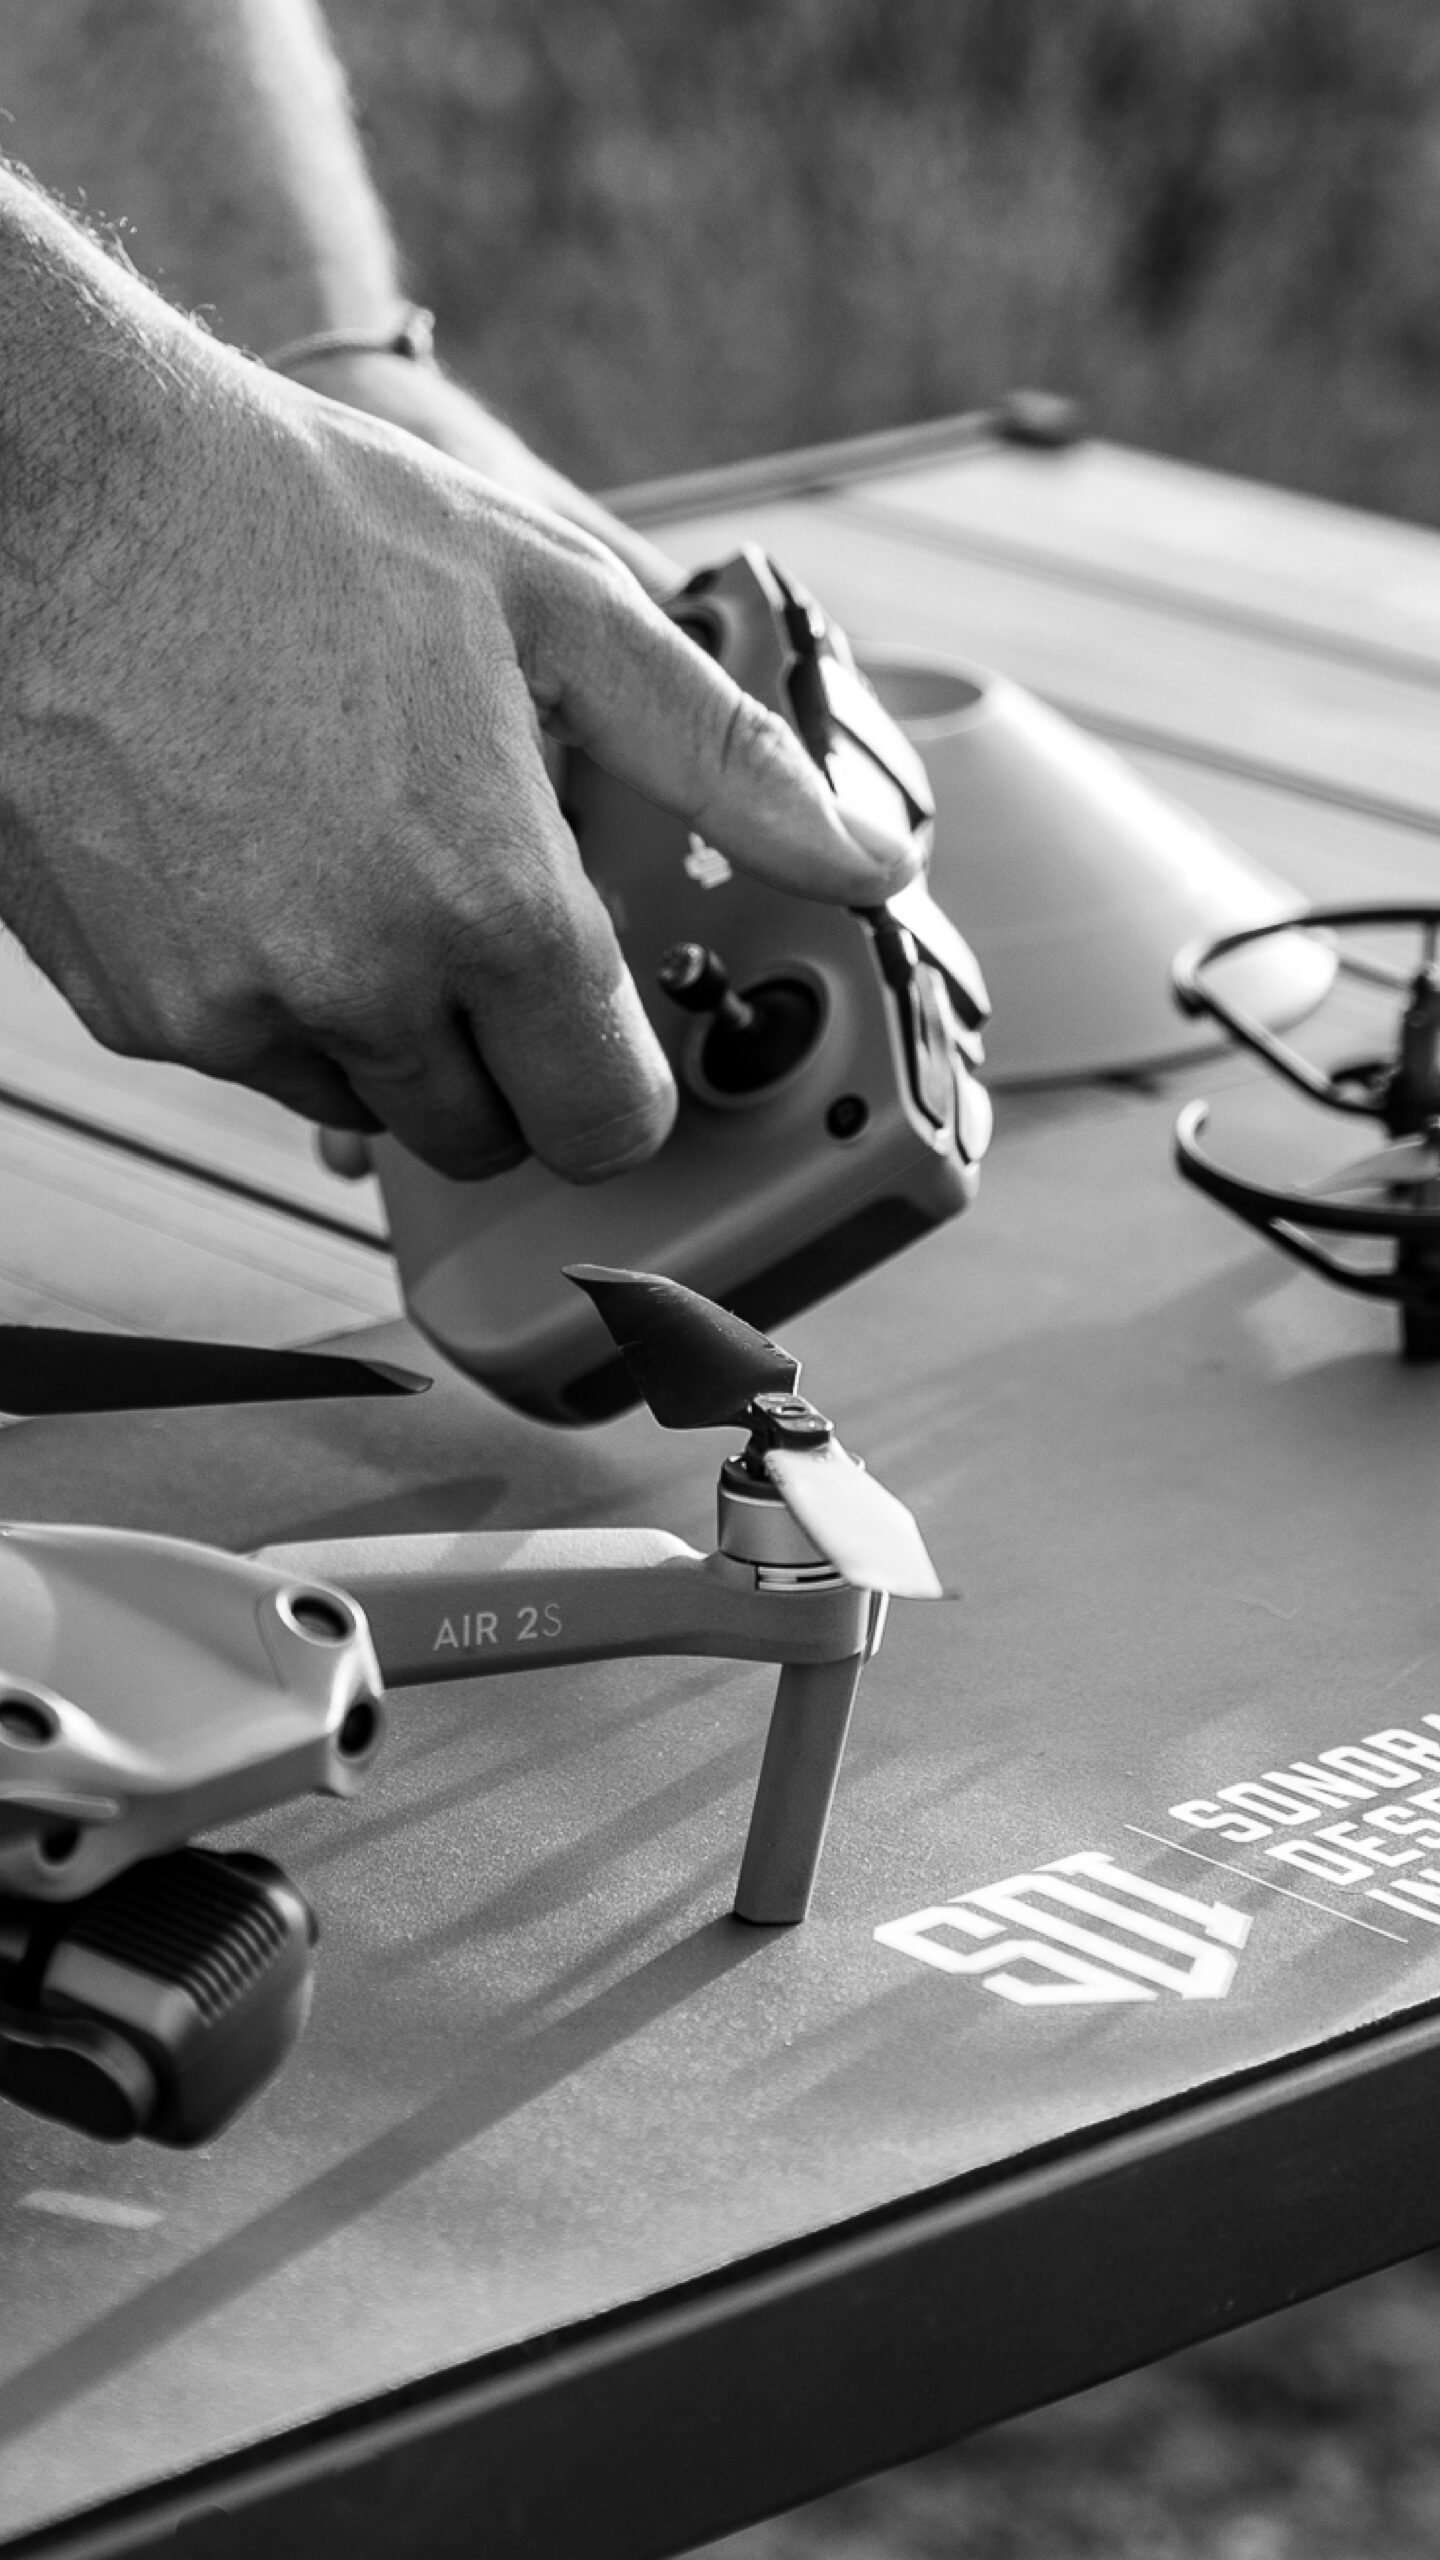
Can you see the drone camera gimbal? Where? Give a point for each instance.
(158, 2004)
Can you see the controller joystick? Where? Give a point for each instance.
(754, 1040)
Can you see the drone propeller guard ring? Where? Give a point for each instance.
(1280, 1216)
(1403, 1093)
(1194, 996)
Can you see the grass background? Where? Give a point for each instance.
(1311, 2436)
(661, 233)
(668, 232)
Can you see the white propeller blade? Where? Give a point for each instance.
(1403, 1167)
(866, 1534)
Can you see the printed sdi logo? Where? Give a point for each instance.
(1079, 1929)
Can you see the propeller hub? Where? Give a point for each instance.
(788, 1422)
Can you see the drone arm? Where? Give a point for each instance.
(468, 1605)
(490, 1601)
(461, 1606)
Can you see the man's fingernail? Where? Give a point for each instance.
(899, 854)
(622, 1144)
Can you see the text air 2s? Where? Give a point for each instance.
(825, 1057)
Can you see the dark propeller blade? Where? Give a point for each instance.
(694, 1365)
(48, 1369)
(866, 1534)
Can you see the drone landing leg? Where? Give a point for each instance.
(803, 1750)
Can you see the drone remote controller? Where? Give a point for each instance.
(825, 1058)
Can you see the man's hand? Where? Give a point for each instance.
(271, 679)
(443, 413)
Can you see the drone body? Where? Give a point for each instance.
(151, 1689)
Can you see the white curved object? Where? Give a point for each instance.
(1077, 883)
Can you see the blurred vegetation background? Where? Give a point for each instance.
(662, 233)
(1311, 2436)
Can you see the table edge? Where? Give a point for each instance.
(802, 469)
(647, 2431)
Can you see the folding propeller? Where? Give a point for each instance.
(48, 1369)
(698, 1366)
(1407, 1166)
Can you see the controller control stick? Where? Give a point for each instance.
(754, 1039)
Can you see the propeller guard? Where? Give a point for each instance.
(1277, 1214)
(1402, 1092)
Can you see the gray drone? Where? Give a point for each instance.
(151, 1689)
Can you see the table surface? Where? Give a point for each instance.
(581, 2206)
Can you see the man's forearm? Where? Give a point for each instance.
(218, 132)
(89, 379)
